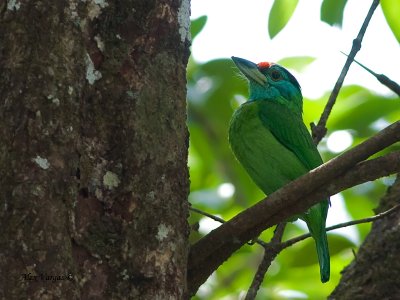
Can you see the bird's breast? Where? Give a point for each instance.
(269, 163)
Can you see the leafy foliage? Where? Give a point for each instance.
(197, 25)
(391, 10)
(215, 90)
(332, 11)
(298, 63)
(280, 14)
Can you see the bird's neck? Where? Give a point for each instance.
(288, 96)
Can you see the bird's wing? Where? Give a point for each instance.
(290, 130)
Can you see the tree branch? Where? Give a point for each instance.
(297, 239)
(288, 243)
(334, 176)
(319, 131)
(271, 250)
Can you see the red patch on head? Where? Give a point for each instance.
(264, 65)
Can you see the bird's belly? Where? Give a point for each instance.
(269, 163)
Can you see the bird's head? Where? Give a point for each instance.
(271, 82)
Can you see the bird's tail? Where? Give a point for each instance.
(321, 243)
(315, 219)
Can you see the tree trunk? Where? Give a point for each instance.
(93, 149)
(375, 273)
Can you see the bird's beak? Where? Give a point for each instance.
(250, 70)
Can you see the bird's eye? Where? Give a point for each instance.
(276, 75)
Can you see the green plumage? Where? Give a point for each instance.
(270, 140)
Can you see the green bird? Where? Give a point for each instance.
(268, 137)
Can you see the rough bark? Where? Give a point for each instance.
(93, 149)
(375, 272)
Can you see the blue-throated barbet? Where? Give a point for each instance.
(270, 140)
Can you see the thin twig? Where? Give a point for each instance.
(288, 243)
(293, 241)
(271, 250)
(386, 81)
(201, 212)
(320, 130)
(218, 219)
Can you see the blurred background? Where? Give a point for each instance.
(306, 37)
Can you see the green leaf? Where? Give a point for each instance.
(280, 14)
(197, 25)
(391, 10)
(357, 108)
(297, 63)
(332, 11)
